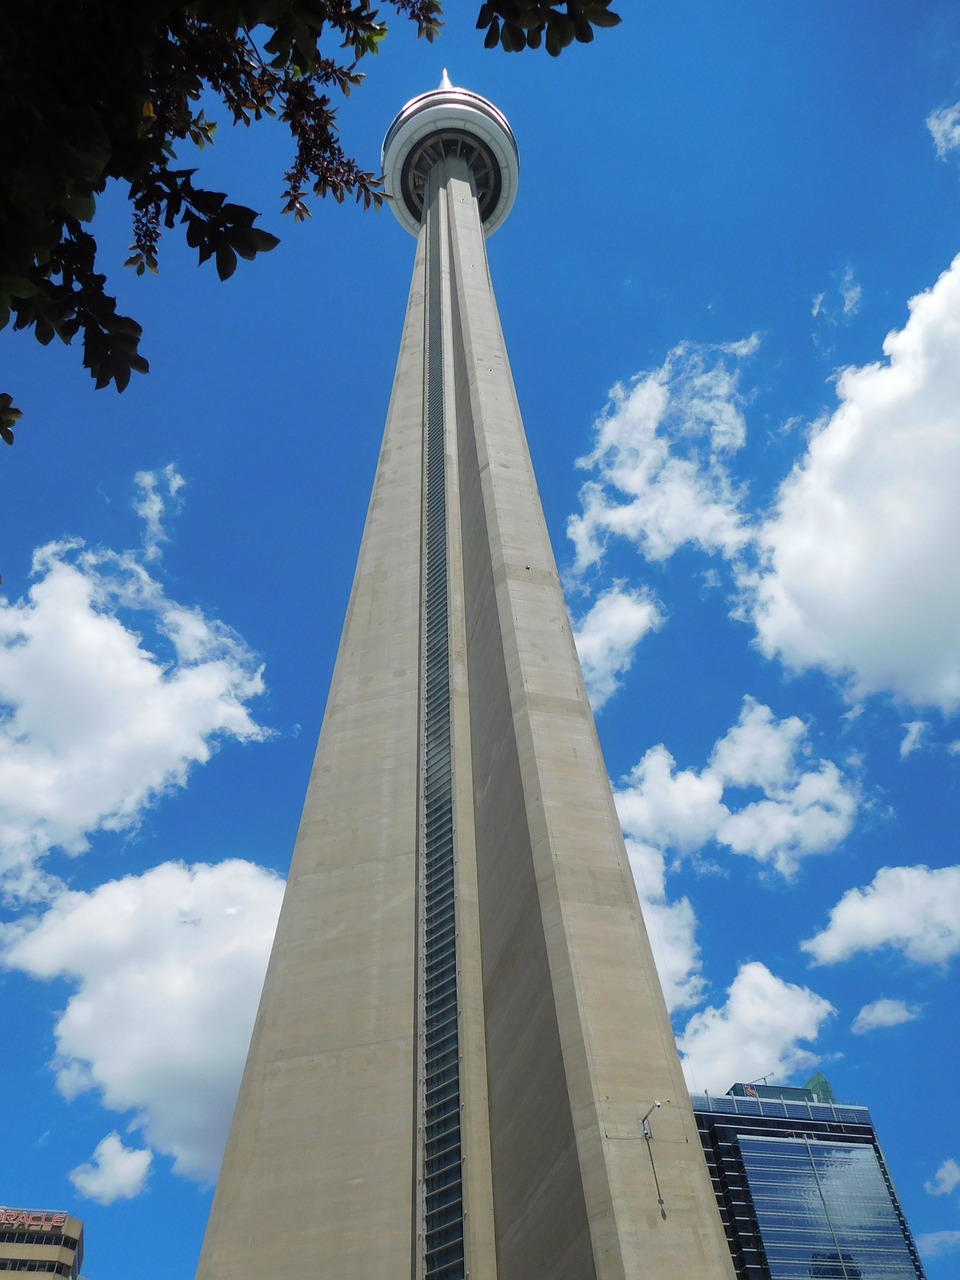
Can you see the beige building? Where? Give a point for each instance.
(462, 1064)
(47, 1240)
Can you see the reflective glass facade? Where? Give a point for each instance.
(803, 1190)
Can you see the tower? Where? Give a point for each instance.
(462, 1062)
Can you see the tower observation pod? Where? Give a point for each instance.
(462, 1064)
(452, 123)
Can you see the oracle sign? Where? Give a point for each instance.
(31, 1219)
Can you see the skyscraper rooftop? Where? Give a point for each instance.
(42, 1240)
(803, 1187)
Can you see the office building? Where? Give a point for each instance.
(44, 1240)
(462, 1063)
(803, 1188)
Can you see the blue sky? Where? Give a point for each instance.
(728, 295)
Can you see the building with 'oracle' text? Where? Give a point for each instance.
(44, 1240)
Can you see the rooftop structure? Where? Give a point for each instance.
(803, 1187)
(44, 1240)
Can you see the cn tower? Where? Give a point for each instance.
(462, 1065)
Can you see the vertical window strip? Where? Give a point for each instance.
(440, 1072)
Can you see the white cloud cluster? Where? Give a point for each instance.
(663, 809)
(167, 968)
(856, 575)
(803, 810)
(944, 126)
(671, 928)
(156, 490)
(850, 569)
(850, 293)
(915, 730)
(883, 1013)
(914, 910)
(93, 724)
(607, 637)
(756, 1032)
(935, 1244)
(115, 1172)
(830, 311)
(660, 456)
(945, 1180)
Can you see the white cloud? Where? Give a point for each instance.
(157, 490)
(756, 1032)
(850, 292)
(841, 302)
(914, 910)
(945, 1180)
(115, 1172)
(915, 730)
(94, 725)
(660, 458)
(671, 928)
(883, 1013)
(665, 809)
(740, 349)
(856, 574)
(607, 637)
(937, 1243)
(944, 126)
(803, 810)
(759, 750)
(167, 968)
(812, 815)
(680, 810)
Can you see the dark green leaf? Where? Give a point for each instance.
(602, 17)
(512, 37)
(238, 215)
(8, 410)
(249, 241)
(583, 29)
(226, 261)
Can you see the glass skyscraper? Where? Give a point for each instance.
(803, 1187)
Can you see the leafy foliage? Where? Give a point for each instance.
(524, 24)
(94, 90)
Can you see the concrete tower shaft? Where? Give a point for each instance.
(461, 1028)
